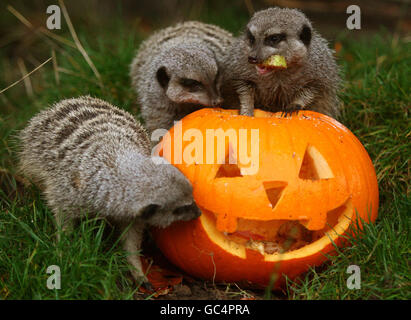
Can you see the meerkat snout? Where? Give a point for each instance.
(252, 60)
(216, 101)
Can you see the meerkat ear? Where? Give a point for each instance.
(305, 35)
(162, 77)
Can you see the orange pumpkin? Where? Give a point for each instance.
(313, 180)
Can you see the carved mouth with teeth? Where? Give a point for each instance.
(314, 181)
(274, 239)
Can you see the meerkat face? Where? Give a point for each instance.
(275, 31)
(190, 75)
(168, 196)
(158, 216)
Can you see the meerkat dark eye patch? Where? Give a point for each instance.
(191, 84)
(250, 37)
(305, 35)
(191, 208)
(274, 39)
(162, 77)
(149, 211)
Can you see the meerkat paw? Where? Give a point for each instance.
(143, 281)
(247, 112)
(148, 286)
(140, 278)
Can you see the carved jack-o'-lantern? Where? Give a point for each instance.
(275, 193)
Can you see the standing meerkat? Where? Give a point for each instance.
(176, 71)
(280, 63)
(89, 156)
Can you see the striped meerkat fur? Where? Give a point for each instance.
(89, 156)
(177, 70)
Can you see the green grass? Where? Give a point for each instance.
(91, 265)
(377, 101)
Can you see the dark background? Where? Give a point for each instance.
(329, 17)
(24, 45)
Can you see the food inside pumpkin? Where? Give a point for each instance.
(282, 236)
(278, 236)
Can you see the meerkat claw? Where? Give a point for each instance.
(292, 109)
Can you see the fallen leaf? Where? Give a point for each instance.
(162, 280)
(337, 47)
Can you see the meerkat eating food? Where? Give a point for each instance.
(275, 61)
(280, 63)
(89, 156)
(177, 70)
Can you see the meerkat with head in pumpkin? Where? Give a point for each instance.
(177, 70)
(90, 156)
(280, 63)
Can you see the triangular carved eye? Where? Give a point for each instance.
(274, 189)
(228, 171)
(314, 165)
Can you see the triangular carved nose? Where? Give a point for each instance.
(274, 190)
(228, 171)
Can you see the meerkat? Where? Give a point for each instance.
(177, 70)
(280, 63)
(89, 156)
